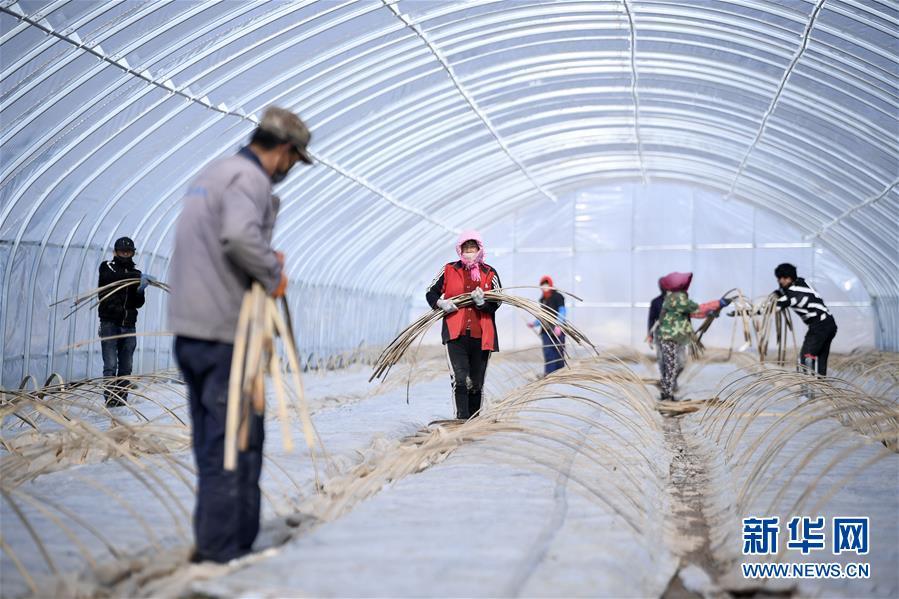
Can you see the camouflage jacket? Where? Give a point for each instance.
(674, 324)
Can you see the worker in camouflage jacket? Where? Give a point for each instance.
(675, 329)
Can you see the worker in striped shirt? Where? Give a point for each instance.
(797, 294)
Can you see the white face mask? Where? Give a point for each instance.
(470, 256)
(544, 287)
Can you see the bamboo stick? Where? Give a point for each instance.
(235, 384)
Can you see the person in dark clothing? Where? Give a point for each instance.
(551, 336)
(655, 313)
(226, 518)
(118, 316)
(223, 245)
(794, 292)
(469, 334)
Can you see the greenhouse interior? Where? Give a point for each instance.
(449, 298)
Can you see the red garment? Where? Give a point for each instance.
(472, 322)
(707, 308)
(457, 281)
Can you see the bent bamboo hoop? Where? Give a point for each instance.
(394, 352)
(103, 293)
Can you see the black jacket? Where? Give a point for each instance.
(435, 291)
(655, 311)
(556, 303)
(121, 307)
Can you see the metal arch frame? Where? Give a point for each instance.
(501, 17)
(61, 211)
(741, 17)
(84, 135)
(73, 56)
(859, 259)
(635, 96)
(876, 198)
(856, 258)
(223, 42)
(187, 84)
(472, 103)
(7, 170)
(821, 147)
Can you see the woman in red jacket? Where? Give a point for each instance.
(469, 334)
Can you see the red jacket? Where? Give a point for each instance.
(452, 280)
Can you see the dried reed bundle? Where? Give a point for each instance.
(538, 426)
(394, 352)
(741, 305)
(255, 357)
(805, 401)
(877, 373)
(103, 293)
(767, 314)
(545, 426)
(66, 424)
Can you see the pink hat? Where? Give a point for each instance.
(676, 281)
(474, 267)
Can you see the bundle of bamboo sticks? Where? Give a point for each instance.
(755, 317)
(255, 356)
(103, 293)
(398, 347)
(766, 314)
(742, 308)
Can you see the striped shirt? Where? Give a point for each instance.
(804, 300)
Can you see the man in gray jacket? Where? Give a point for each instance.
(222, 244)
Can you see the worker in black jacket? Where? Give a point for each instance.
(795, 293)
(118, 316)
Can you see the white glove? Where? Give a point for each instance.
(477, 296)
(145, 280)
(447, 306)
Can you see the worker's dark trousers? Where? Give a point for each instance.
(226, 519)
(817, 342)
(468, 365)
(553, 352)
(118, 355)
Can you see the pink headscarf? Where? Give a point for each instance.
(474, 267)
(676, 281)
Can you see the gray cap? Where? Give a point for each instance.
(287, 126)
